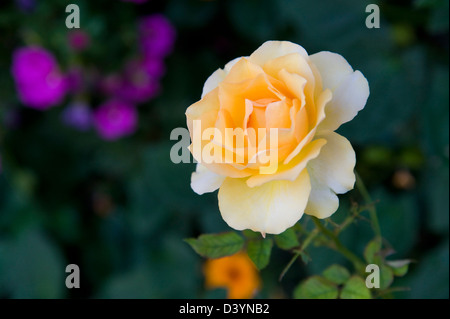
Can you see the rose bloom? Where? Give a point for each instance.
(115, 119)
(236, 273)
(305, 98)
(38, 80)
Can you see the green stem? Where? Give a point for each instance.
(372, 210)
(298, 252)
(357, 262)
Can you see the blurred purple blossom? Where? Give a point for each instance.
(138, 82)
(38, 80)
(77, 115)
(75, 79)
(78, 39)
(26, 5)
(156, 36)
(114, 119)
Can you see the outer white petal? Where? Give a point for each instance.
(323, 202)
(350, 89)
(270, 208)
(331, 173)
(335, 164)
(205, 181)
(273, 49)
(218, 76)
(333, 68)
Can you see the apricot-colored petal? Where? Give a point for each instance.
(295, 84)
(292, 170)
(233, 96)
(218, 76)
(322, 101)
(205, 110)
(243, 69)
(273, 49)
(277, 115)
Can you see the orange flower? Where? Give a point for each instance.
(235, 273)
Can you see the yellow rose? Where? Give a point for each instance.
(304, 98)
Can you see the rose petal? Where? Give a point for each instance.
(335, 164)
(270, 208)
(291, 170)
(324, 98)
(205, 181)
(322, 202)
(214, 79)
(205, 110)
(232, 95)
(277, 115)
(273, 49)
(331, 172)
(332, 67)
(350, 89)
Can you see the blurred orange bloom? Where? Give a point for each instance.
(236, 273)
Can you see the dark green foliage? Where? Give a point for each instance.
(120, 210)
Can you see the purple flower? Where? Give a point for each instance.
(156, 35)
(78, 40)
(115, 119)
(77, 115)
(26, 5)
(140, 80)
(74, 79)
(38, 80)
(138, 83)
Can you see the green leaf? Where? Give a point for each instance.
(386, 276)
(336, 274)
(430, 277)
(32, 267)
(400, 215)
(259, 252)
(134, 284)
(216, 245)
(399, 267)
(372, 250)
(316, 287)
(355, 288)
(250, 234)
(287, 240)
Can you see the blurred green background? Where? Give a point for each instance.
(121, 209)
